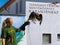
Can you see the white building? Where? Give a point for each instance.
(48, 33)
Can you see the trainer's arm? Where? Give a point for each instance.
(23, 26)
(3, 41)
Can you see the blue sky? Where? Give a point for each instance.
(3, 2)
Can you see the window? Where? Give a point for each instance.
(46, 38)
(58, 36)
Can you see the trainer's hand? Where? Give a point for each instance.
(27, 23)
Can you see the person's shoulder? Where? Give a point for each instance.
(14, 27)
(5, 27)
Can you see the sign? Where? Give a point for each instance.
(50, 22)
(45, 8)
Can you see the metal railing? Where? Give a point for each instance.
(11, 14)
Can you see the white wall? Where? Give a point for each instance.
(50, 25)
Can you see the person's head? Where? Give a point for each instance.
(8, 22)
